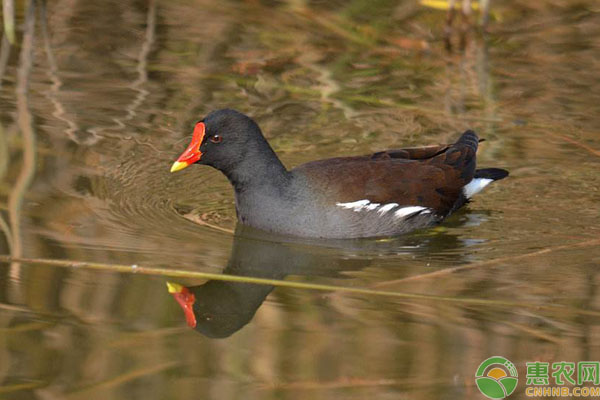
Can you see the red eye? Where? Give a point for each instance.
(216, 139)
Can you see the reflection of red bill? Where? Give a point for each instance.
(186, 300)
(192, 153)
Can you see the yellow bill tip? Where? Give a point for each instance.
(174, 287)
(177, 166)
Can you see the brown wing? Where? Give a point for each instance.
(410, 153)
(431, 177)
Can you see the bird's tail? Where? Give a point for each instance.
(494, 174)
(482, 178)
(469, 139)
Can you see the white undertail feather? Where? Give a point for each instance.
(475, 186)
(366, 205)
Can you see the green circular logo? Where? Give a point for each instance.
(496, 377)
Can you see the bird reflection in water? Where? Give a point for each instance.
(217, 309)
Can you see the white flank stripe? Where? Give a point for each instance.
(356, 205)
(405, 211)
(383, 209)
(372, 206)
(475, 186)
(366, 205)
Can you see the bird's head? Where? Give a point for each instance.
(222, 140)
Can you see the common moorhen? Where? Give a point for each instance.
(382, 194)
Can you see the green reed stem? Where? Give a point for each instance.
(176, 273)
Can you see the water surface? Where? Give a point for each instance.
(99, 98)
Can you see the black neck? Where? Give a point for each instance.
(260, 167)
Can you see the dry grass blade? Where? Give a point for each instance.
(4, 158)
(554, 127)
(10, 307)
(60, 110)
(3, 168)
(123, 378)
(7, 233)
(4, 153)
(448, 271)
(4, 56)
(20, 386)
(26, 327)
(142, 338)
(576, 143)
(141, 68)
(166, 272)
(8, 11)
(351, 383)
(538, 333)
(25, 121)
(335, 25)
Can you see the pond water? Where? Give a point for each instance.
(97, 99)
